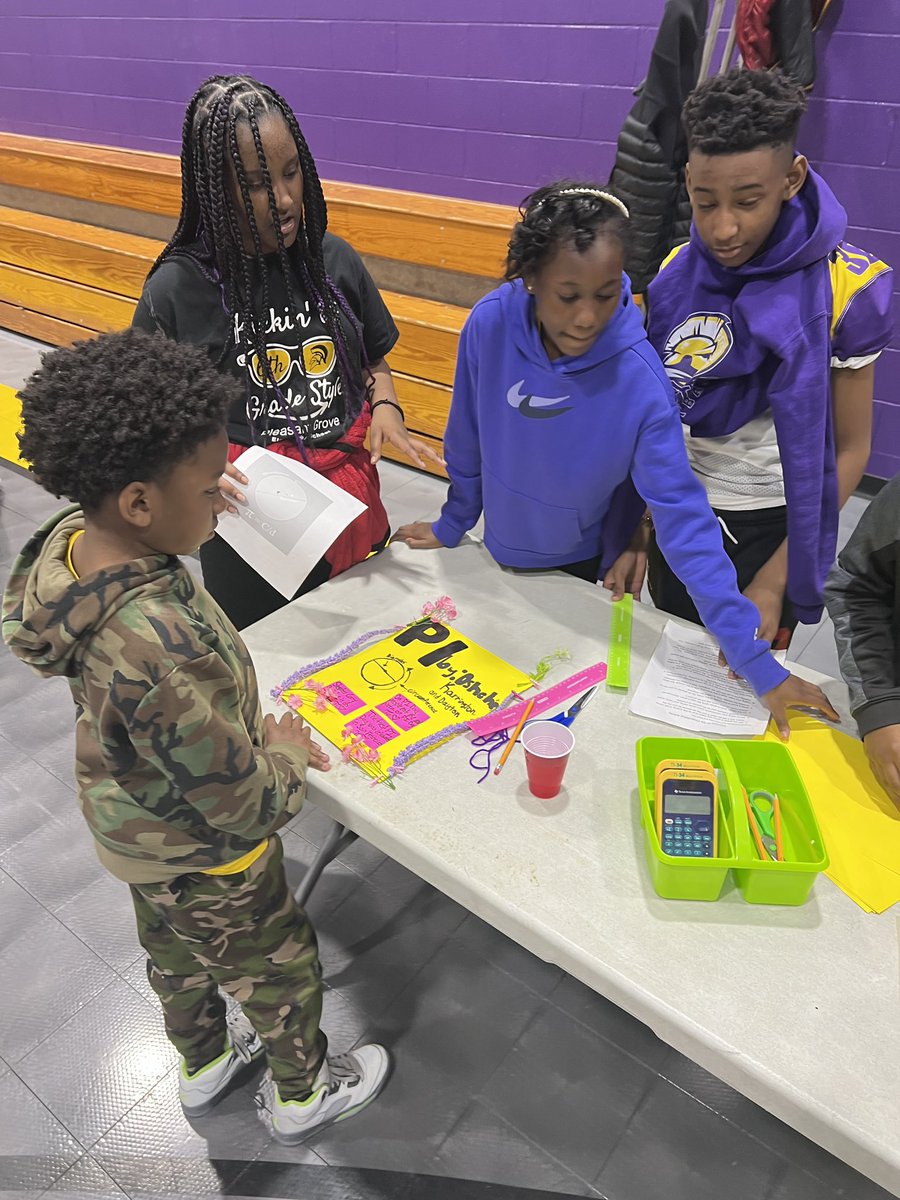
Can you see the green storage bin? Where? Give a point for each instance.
(684, 878)
(739, 765)
(770, 766)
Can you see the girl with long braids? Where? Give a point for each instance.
(561, 409)
(289, 309)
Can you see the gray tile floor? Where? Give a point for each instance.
(512, 1079)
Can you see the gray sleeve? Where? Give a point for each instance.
(861, 597)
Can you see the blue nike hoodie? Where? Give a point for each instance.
(550, 450)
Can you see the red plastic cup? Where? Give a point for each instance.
(547, 746)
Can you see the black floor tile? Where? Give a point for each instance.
(63, 842)
(381, 936)
(676, 1149)
(797, 1184)
(335, 883)
(154, 1149)
(786, 1142)
(508, 956)
(568, 1091)
(314, 825)
(46, 975)
(609, 1021)
(20, 493)
(35, 1148)
(19, 684)
(48, 716)
(485, 1147)
(18, 910)
(304, 1182)
(135, 975)
(103, 917)
(94, 1068)
(30, 796)
(86, 1180)
(447, 1031)
(15, 530)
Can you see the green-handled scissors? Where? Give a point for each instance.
(762, 806)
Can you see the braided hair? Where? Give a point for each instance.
(743, 110)
(209, 229)
(563, 213)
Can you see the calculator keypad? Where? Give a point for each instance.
(687, 837)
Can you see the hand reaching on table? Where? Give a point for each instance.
(883, 748)
(794, 692)
(292, 730)
(418, 535)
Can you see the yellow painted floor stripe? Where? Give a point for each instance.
(10, 425)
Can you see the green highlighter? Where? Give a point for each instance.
(618, 668)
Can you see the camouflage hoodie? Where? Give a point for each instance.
(172, 774)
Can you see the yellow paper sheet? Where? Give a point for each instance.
(419, 682)
(860, 823)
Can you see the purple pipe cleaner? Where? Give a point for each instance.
(321, 663)
(405, 757)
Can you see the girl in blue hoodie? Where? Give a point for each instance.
(561, 409)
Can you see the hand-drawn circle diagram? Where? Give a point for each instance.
(385, 672)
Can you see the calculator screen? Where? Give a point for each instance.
(687, 805)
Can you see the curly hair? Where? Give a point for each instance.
(209, 233)
(124, 406)
(563, 213)
(743, 110)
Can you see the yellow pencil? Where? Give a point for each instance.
(515, 737)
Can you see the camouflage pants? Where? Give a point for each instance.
(246, 934)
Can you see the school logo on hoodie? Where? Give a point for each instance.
(693, 348)
(535, 406)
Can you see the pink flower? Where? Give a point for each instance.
(294, 701)
(356, 750)
(442, 609)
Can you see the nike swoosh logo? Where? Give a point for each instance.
(535, 406)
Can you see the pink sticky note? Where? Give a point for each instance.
(373, 729)
(343, 699)
(403, 712)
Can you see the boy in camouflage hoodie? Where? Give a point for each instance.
(182, 782)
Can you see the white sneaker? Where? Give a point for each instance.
(202, 1091)
(344, 1086)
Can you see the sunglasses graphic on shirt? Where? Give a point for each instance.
(318, 360)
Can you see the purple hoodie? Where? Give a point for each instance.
(736, 341)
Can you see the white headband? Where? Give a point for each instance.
(607, 196)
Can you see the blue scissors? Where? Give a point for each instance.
(568, 715)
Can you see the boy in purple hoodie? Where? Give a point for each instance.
(768, 324)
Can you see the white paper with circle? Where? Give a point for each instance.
(291, 517)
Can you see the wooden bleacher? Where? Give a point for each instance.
(63, 278)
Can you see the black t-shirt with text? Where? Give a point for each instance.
(179, 301)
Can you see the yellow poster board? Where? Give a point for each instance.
(403, 695)
(860, 823)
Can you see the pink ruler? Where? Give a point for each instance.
(554, 697)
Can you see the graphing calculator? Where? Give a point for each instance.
(686, 814)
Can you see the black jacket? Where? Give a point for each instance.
(863, 599)
(651, 150)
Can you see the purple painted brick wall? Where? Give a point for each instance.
(486, 100)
